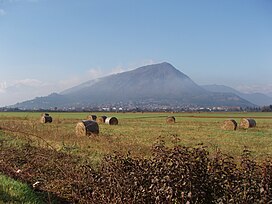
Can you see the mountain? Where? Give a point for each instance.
(255, 98)
(153, 81)
(152, 84)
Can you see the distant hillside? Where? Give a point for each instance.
(152, 81)
(153, 84)
(255, 98)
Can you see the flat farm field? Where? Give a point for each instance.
(138, 132)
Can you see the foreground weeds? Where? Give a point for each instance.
(12, 191)
(171, 175)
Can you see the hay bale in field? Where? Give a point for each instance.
(87, 128)
(170, 119)
(92, 117)
(101, 119)
(46, 118)
(111, 121)
(229, 125)
(247, 123)
(45, 114)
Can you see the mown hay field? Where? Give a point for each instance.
(138, 132)
(143, 159)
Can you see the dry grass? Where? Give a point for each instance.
(134, 138)
(137, 133)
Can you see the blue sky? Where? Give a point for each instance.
(49, 45)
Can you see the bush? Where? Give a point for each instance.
(171, 175)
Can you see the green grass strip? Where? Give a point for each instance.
(12, 191)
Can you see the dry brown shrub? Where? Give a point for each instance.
(171, 175)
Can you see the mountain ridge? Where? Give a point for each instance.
(151, 84)
(255, 98)
(149, 80)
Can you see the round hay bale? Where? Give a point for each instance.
(92, 117)
(170, 119)
(46, 119)
(102, 119)
(87, 128)
(111, 121)
(45, 114)
(247, 123)
(229, 125)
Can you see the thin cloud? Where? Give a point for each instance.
(94, 73)
(2, 12)
(68, 83)
(149, 62)
(120, 69)
(256, 88)
(25, 89)
(14, 1)
(28, 82)
(117, 70)
(140, 64)
(3, 86)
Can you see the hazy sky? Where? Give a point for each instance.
(49, 45)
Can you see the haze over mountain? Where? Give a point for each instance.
(154, 84)
(152, 81)
(255, 98)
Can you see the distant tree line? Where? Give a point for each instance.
(266, 108)
(247, 109)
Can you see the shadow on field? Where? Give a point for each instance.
(7, 198)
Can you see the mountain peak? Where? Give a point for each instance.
(161, 70)
(162, 65)
(153, 84)
(166, 65)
